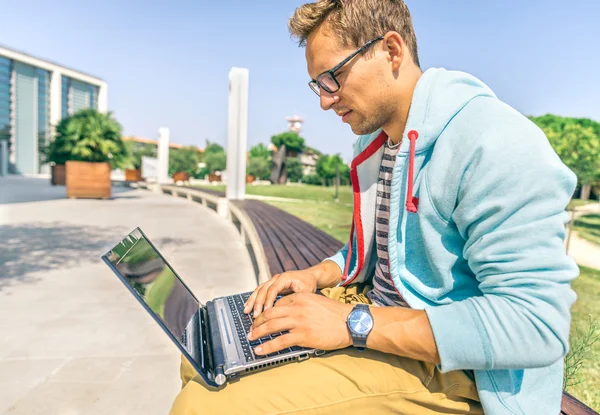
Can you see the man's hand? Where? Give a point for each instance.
(325, 274)
(312, 320)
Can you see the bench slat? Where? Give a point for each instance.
(312, 251)
(303, 257)
(571, 406)
(326, 244)
(286, 241)
(274, 242)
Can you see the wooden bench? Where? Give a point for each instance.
(289, 243)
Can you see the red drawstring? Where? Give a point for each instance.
(412, 203)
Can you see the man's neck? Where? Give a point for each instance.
(395, 129)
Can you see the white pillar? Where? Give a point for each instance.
(103, 97)
(55, 100)
(163, 155)
(237, 133)
(3, 157)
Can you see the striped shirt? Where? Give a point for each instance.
(384, 292)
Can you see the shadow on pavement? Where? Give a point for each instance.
(39, 247)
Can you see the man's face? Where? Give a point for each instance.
(362, 100)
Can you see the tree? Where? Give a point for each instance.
(292, 141)
(184, 159)
(88, 135)
(294, 169)
(326, 168)
(259, 167)
(261, 151)
(215, 161)
(577, 143)
(139, 150)
(214, 156)
(213, 148)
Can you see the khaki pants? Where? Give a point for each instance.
(344, 381)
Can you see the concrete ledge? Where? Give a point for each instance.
(228, 211)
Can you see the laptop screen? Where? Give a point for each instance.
(152, 280)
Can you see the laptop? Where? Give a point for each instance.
(212, 336)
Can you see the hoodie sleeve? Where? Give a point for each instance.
(510, 210)
(340, 257)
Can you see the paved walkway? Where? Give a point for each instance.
(74, 341)
(583, 251)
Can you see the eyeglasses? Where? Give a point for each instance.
(327, 80)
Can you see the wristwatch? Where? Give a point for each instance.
(360, 324)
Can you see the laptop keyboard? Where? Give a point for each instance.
(242, 325)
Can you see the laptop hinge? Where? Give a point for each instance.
(205, 341)
(217, 354)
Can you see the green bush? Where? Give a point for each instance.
(137, 151)
(291, 140)
(293, 167)
(215, 161)
(260, 150)
(259, 167)
(312, 179)
(88, 135)
(184, 159)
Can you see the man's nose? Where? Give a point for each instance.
(327, 100)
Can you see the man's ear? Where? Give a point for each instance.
(394, 47)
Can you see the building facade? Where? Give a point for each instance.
(35, 94)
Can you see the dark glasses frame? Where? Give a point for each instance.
(316, 84)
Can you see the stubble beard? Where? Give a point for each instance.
(368, 125)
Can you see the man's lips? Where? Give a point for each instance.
(345, 115)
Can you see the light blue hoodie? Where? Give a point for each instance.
(483, 254)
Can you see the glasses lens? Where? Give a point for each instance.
(328, 82)
(315, 87)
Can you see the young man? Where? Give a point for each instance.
(458, 227)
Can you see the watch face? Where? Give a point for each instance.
(360, 322)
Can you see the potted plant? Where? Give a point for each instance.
(92, 145)
(57, 156)
(137, 150)
(183, 163)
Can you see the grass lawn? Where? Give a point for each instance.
(318, 207)
(587, 286)
(330, 217)
(305, 192)
(588, 227)
(575, 203)
(335, 218)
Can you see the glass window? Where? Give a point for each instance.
(43, 77)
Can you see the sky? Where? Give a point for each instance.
(167, 63)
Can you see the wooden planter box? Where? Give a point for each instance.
(58, 175)
(88, 180)
(181, 176)
(214, 178)
(132, 175)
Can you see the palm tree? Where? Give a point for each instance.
(89, 135)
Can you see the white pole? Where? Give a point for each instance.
(237, 133)
(3, 158)
(55, 101)
(163, 155)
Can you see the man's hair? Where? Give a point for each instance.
(355, 22)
